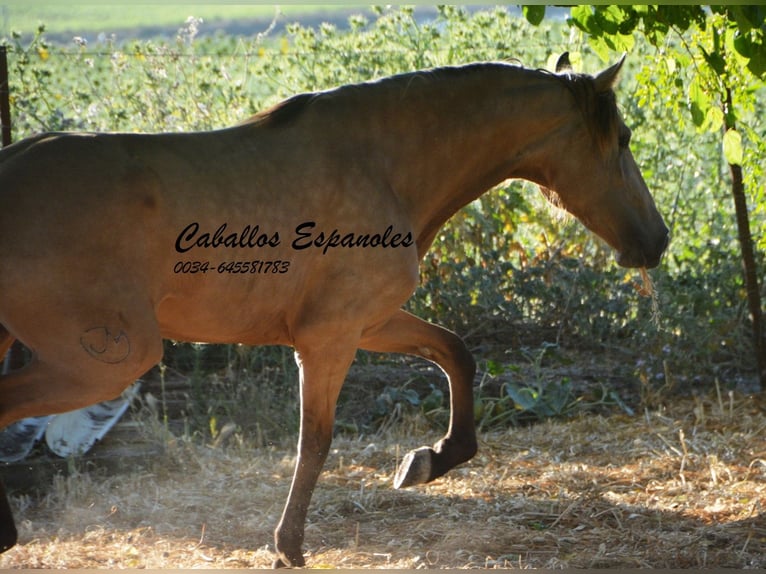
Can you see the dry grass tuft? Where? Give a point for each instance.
(680, 487)
(647, 287)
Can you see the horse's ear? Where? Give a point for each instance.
(563, 64)
(606, 80)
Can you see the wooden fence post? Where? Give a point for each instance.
(5, 99)
(14, 358)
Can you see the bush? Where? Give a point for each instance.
(504, 265)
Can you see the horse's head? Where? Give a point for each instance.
(595, 176)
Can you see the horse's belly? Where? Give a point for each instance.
(232, 311)
(248, 326)
(350, 290)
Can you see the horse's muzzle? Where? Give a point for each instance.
(644, 256)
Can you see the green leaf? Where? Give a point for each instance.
(670, 62)
(582, 17)
(698, 101)
(608, 18)
(600, 46)
(631, 18)
(213, 424)
(713, 120)
(622, 42)
(757, 63)
(654, 28)
(747, 17)
(681, 16)
(534, 13)
(732, 147)
(743, 45)
(715, 61)
(526, 398)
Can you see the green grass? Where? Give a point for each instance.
(90, 19)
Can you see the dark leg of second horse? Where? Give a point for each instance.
(8, 532)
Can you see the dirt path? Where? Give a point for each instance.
(677, 488)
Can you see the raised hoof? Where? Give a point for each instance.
(415, 468)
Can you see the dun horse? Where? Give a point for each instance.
(303, 226)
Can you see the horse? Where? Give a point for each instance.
(303, 226)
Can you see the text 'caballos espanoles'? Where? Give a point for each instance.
(306, 235)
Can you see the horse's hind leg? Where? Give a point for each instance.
(405, 333)
(78, 367)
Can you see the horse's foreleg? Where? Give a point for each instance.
(405, 333)
(323, 368)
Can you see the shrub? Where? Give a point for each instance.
(506, 269)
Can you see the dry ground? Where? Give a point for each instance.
(679, 487)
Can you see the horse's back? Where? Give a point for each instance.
(102, 214)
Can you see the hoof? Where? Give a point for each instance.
(8, 533)
(415, 468)
(8, 539)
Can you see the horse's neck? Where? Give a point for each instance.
(450, 141)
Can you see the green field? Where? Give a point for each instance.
(64, 20)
